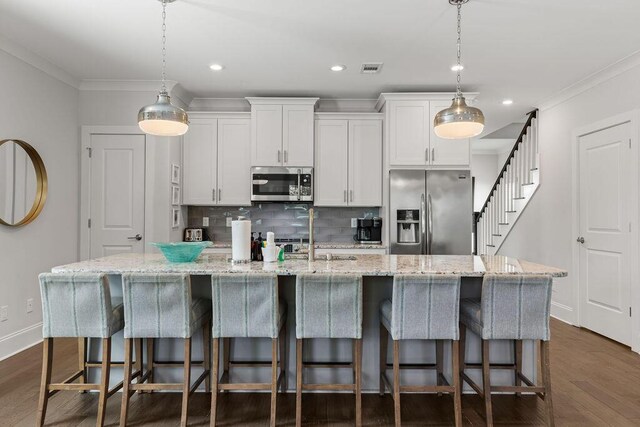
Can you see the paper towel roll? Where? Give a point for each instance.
(270, 238)
(241, 240)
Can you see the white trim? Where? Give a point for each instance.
(38, 62)
(180, 93)
(431, 96)
(21, 340)
(219, 104)
(632, 117)
(219, 115)
(85, 179)
(280, 100)
(600, 76)
(562, 312)
(349, 116)
(125, 85)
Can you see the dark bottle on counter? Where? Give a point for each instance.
(253, 247)
(259, 244)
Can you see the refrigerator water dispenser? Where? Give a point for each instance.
(408, 225)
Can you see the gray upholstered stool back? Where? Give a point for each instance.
(329, 306)
(161, 306)
(516, 307)
(245, 305)
(425, 307)
(78, 305)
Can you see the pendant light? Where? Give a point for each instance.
(162, 118)
(458, 121)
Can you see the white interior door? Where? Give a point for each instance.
(605, 225)
(117, 194)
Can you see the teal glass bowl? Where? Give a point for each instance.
(181, 251)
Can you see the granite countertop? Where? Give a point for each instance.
(218, 245)
(365, 265)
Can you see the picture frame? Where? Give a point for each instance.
(175, 217)
(175, 195)
(175, 173)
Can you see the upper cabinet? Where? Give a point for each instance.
(411, 137)
(215, 165)
(348, 169)
(282, 131)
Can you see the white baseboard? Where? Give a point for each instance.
(563, 313)
(20, 340)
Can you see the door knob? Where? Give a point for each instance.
(136, 237)
(580, 239)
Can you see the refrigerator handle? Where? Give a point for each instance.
(423, 226)
(429, 225)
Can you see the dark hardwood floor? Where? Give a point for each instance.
(596, 382)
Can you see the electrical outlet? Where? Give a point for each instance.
(229, 219)
(29, 305)
(205, 221)
(354, 222)
(4, 313)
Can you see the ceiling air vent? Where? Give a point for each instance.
(371, 68)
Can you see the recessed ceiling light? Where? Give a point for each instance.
(338, 67)
(507, 102)
(217, 67)
(457, 67)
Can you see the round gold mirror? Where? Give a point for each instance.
(23, 183)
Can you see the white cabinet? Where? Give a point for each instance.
(412, 140)
(348, 169)
(282, 131)
(216, 169)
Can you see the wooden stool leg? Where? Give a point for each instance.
(283, 357)
(186, 382)
(47, 360)
(457, 383)
(105, 370)
(546, 381)
(274, 379)
(226, 355)
(384, 341)
(150, 360)
(214, 378)
(82, 360)
(206, 350)
(517, 350)
(126, 382)
(439, 362)
(486, 382)
(463, 344)
(396, 382)
(298, 382)
(139, 362)
(353, 363)
(358, 380)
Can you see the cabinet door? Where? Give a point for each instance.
(365, 163)
(297, 135)
(409, 133)
(266, 135)
(331, 163)
(200, 163)
(447, 152)
(234, 140)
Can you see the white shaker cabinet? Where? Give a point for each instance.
(266, 135)
(200, 160)
(297, 135)
(447, 152)
(216, 169)
(348, 170)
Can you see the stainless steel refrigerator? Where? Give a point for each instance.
(431, 212)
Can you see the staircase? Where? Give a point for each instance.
(516, 184)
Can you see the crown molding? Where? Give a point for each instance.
(126, 85)
(281, 100)
(38, 62)
(219, 104)
(416, 96)
(607, 73)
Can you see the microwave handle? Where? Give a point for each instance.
(299, 183)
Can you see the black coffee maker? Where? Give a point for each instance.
(369, 230)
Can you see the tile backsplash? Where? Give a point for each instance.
(286, 220)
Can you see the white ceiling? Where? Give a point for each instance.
(521, 49)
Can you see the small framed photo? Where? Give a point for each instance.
(175, 217)
(175, 195)
(175, 174)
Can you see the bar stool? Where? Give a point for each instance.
(247, 306)
(161, 306)
(512, 307)
(78, 305)
(329, 306)
(423, 307)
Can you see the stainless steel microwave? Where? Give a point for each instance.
(281, 184)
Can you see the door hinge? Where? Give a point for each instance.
(89, 150)
(89, 223)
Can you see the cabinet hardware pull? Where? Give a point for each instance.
(278, 156)
(433, 154)
(213, 192)
(345, 196)
(351, 194)
(426, 155)
(219, 194)
(286, 156)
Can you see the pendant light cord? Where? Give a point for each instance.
(164, 46)
(459, 42)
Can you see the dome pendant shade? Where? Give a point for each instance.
(162, 118)
(458, 121)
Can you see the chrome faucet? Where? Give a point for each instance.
(312, 251)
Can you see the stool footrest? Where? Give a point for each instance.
(509, 366)
(332, 387)
(414, 366)
(250, 364)
(224, 384)
(327, 364)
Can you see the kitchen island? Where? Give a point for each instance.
(378, 272)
